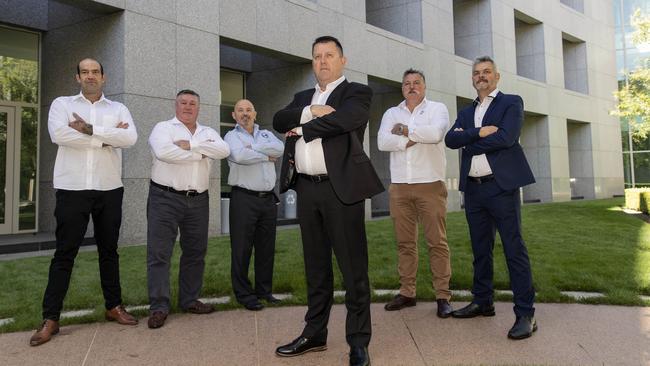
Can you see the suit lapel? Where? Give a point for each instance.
(491, 108)
(335, 97)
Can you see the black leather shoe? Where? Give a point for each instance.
(254, 305)
(473, 310)
(299, 346)
(359, 356)
(270, 299)
(444, 308)
(400, 302)
(523, 328)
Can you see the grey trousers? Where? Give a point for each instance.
(167, 213)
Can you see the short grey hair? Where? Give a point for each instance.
(413, 71)
(482, 59)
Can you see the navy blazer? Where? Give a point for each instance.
(350, 171)
(502, 149)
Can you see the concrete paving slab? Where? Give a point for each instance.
(68, 348)
(224, 338)
(573, 334)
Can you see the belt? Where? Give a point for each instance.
(315, 178)
(253, 193)
(481, 180)
(189, 193)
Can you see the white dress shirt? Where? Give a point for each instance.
(85, 162)
(480, 166)
(183, 169)
(310, 158)
(424, 162)
(249, 162)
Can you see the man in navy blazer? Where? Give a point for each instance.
(335, 177)
(493, 168)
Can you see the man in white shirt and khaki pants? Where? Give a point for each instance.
(413, 132)
(90, 131)
(183, 151)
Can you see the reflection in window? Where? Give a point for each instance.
(4, 119)
(642, 169)
(233, 88)
(18, 66)
(28, 165)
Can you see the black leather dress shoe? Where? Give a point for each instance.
(359, 356)
(254, 305)
(270, 299)
(523, 328)
(444, 308)
(299, 346)
(473, 310)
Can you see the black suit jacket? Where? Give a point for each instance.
(502, 149)
(350, 171)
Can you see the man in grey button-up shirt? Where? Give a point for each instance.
(253, 210)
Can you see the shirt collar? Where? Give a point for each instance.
(256, 129)
(491, 96)
(102, 99)
(176, 121)
(422, 104)
(331, 86)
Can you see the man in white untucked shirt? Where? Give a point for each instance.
(90, 131)
(183, 151)
(413, 132)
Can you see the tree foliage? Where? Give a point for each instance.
(634, 97)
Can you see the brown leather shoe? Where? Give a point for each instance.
(157, 319)
(120, 315)
(45, 332)
(400, 302)
(198, 307)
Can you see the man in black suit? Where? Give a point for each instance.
(335, 176)
(492, 169)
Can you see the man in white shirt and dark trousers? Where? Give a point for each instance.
(414, 133)
(183, 151)
(253, 205)
(90, 131)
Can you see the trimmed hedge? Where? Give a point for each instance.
(638, 199)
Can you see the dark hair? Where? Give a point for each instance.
(188, 91)
(326, 39)
(481, 59)
(414, 71)
(101, 67)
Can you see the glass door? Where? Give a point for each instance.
(7, 124)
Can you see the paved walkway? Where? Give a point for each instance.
(569, 334)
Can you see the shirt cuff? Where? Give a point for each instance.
(98, 130)
(306, 115)
(403, 141)
(95, 142)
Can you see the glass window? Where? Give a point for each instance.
(641, 145)
(626, 169)
(233, 88)
(625, 135)
(642, 168)
(28, 164)
(18, 66)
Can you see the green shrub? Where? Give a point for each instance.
(633, 198)
(644, 201)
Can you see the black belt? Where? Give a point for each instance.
(315, 178)
(190, 193)
(253, 193)
(481, 180)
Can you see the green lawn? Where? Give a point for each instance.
(581, 245)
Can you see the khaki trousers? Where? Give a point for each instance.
(425, 203)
